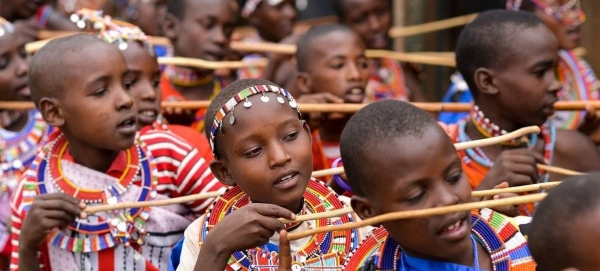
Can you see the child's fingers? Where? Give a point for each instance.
(590, 112)
(285, 253)
(272, 210)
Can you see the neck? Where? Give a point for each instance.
(91, 157)
(496, 116)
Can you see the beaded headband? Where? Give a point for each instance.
(243, 96)
(251, 5)
(111, 31)
(6, 27)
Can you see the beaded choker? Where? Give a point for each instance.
(324, 251)
(243, 96)
(186, 77)
(97, 233)
(20, 149)
(489, 129)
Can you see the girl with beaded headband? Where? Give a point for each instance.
(520, 91)
(579, 83)
(262, 149)
(21, 131)
(142, 63)
(156, 164)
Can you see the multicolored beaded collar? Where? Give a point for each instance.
(187, 77)
(506, 246)
(243, 96)
(324, 251)
(20, 150)
(488, 129)
(119, 227)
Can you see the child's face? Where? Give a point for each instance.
(339, 66)
(372, 19)
(145, 76)
(150, 15)
(95, 107)
(205, 30)
(527, 84)
(14, 64)
(569, 36)
(274, 22)
(412, 173)
(266, 146)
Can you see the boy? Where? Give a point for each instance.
(197, 29)
(508, 60)
(397, 159)
(95, 158)
(269, 167)
(332, 68)
(568, 216)
(274, 22)
(372, 19)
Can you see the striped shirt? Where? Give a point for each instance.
(181, 171)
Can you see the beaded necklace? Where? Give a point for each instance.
(323, 250)
(20, 149)
(186, 77)
(488, 129)
(506, 246)
(578, 81)
(119, 226)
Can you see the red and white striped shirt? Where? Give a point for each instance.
(181, 171)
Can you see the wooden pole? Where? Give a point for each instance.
(419, 29)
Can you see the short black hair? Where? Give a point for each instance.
(305, 46)
(219, 101)
(551, 238)
(48, 67)
(375, 123)
(488, 41)
(176, 8)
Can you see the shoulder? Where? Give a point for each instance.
(573, 144)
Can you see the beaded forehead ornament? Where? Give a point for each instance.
(6, 27)
(243, 96)
(111, 31)
(251, 6)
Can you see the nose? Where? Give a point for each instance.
(554, 85)
(278, 155)
(146, 92)
(445, 196)
(290, 12)
(220, 37)
(123, 99)
(374, 22)
(353, 73)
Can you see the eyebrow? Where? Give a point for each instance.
(253, 136)
(99, 80)
(543, 63)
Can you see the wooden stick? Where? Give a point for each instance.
(427, 59)
(558, 170)
(262, 47)
(404, 31)
(334, 213)
(516, 189)
(153, 203)
(213, 65)
(421, 213)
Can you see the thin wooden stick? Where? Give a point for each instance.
(427, 59)
(334, 213)
(152, 203)
(421, 213)
(261, 47)
(205, 64)
(516, 189)
(558, 170)
(404, 31)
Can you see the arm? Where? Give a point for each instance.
(574, 151)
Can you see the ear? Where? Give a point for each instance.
(219, 169)
(49, 107)
(304, 82)
(306, 129)
(170, 27)
(484, 80)
(362, 207)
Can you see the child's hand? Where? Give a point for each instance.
(314, 118)
(516, 167)
(591, 124)
(509, 210)
(47, 212)
(245, 228)
(285, 253)
(27, 29)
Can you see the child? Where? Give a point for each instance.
(508, 60)
(93, 159)
(197, 29)
(408, 163)
(574, 74)
(269, 167)
(21, 131)
(372, 19)
(332, 68)
(149, 16)
(564, 232)
(274, 22)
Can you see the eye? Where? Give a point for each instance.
(23, 53)
(363, 63)
(291, 136)
(540, 73)
(416, 197)
(454, 179)
(336, 65)
(4, 63)
(100, 92)
(252, 152)
(156, 82)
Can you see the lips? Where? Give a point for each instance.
(24, 92)
(379, 41)
(287, 179)
(147, 116)
(127, 126)
(355, 94)
(455, 228)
